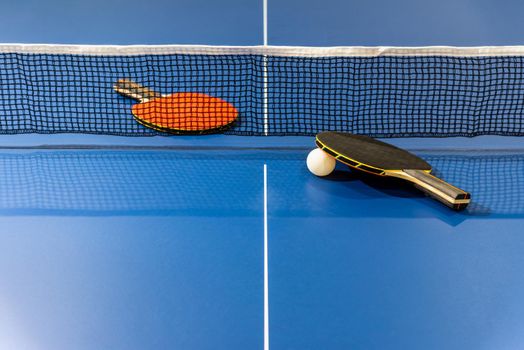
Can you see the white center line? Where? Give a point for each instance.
(266, 265)
(265, 95)
(266, 131)
(264, 74)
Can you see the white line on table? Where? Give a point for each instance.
(266, 272)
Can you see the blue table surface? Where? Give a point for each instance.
(157, 243)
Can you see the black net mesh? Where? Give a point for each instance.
(274, 94)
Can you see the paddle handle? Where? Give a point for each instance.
(442, 191)
(134, 90)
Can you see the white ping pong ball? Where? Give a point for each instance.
(320, 163)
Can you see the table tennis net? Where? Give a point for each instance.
(277, 90)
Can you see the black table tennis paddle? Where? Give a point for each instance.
(379, 158)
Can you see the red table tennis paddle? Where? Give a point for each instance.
(181, 112)
(373, 156)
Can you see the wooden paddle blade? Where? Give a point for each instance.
(134, 90)
(439, 189)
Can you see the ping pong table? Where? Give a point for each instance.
(159, 243)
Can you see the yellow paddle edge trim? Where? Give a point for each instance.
(175, 131)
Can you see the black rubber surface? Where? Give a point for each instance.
(371, 152)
